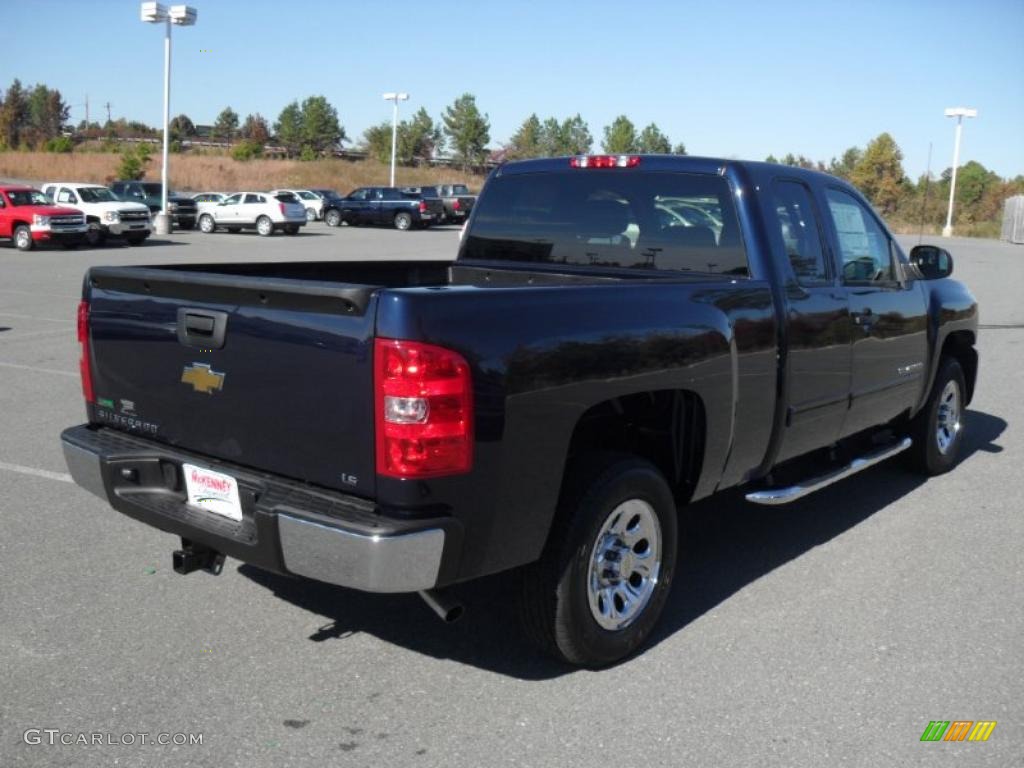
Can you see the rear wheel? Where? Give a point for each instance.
(291, 229)
(207, 225)
(265, 226)
(333, 218)
(23, 238)
(310, 214)
(938, 430)
(604, 577)
(403, 221)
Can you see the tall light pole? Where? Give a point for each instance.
(395, 97)
(959, 113)
(182, 16)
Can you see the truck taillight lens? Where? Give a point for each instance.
(83, 340)
(456, 205)
(281, 206)
(423, 410)
(604, 161)
(423, 206)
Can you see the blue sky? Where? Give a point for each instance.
(734, 79)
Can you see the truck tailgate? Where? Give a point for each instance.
(274, 374)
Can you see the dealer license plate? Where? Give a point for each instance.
(212, 491)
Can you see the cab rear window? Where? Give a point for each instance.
(615, 219)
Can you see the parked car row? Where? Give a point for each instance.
(70, 213)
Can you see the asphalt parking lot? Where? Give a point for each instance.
(829, 632)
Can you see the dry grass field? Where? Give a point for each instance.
(222, 173)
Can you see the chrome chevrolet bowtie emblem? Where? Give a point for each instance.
(202, 378)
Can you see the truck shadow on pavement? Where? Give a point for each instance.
(725, 545)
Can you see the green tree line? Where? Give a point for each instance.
(877, 171)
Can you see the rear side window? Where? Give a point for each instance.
(607, 218)
(863, 244)
(798, 227)
(286, 197)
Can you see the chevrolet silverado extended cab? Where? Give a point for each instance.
(545, 402)
(28, 217)
(387, 206)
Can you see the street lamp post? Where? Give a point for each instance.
(959, 113)
(395, 97)
(182, 16)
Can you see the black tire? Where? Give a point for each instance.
(208, 224)
(555, 600)
(936, 451)
(403, 221)
(23, 238)
(333, 218)
(291, 229)
(95, 235)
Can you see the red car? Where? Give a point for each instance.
(27, 217)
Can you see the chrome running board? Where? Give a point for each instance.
(776, 496)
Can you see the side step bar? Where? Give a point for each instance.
(776, 496)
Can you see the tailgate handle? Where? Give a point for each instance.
(202, 328)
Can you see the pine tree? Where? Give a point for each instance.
(468, 130)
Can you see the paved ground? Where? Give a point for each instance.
(826, 633)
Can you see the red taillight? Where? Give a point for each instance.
(604, 161)
(423, 410)
(456, 205)
(84, 368)
(281, 206)
(423, 206)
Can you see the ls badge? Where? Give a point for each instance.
(202, 378)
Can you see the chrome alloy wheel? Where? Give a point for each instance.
(624, 565)
(947, 425)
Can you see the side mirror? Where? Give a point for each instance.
(931, 261)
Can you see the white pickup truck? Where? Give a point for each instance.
(266, 212)
(105, 215)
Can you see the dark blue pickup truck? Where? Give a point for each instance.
(385, 206)
(619, 336)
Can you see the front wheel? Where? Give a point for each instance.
(938, 430)
(95, 235)
(333, 218)
(207, 225)
(23, 238)
(602, 582)
(403, 221)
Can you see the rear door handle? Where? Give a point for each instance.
(202, 328)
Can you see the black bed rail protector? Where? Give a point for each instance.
(279, 293)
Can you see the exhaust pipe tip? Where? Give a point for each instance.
(447, 608)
